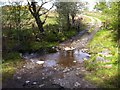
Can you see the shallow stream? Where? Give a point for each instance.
(62, 58)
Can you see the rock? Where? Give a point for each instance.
(77, 74)
(74, 61)
(55, 68)
(84, 59)
(68, 48)
(40, 62)
(43, 77)
(105, 53)
(43, 73)
(108, 66)
(24, 66)
(21, 55)
(34, 83)
(77, 84)
(84, 50)
(101, 59)
(27, 82)
(38, 39)
(41, 85)
(83, 70)
(53, 47)
(66, 70)
(78, 68)
(109, 55)
(18, 77)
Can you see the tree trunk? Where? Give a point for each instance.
(68, 21)
(73, 20)
(39, 24)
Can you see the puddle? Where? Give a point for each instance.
(62, 58)
(49, 63)
(80, 56)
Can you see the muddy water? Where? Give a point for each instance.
(62, 58)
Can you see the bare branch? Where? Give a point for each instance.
(41, 6)
(46, 11)
(10, 2)
(30, 8)
(45, 19)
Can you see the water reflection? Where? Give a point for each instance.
(66, 58)
(49, 63)
(63, 58)
(80, 56)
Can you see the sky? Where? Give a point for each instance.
(91, 3)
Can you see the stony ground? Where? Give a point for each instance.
(66, 74)
(81, 40)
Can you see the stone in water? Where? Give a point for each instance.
(27, 81)
(34, 83)
(41, 85)
(40, 62)
(18, 77)
(68, 48)
(74, 61)
(77, 84)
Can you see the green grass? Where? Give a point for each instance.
(100, 75)
(91, 29)
(42, 45)
(10, 64)
(86, 20)
(100, 16)
(51, 19)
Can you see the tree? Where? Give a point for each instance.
(35, 11)
(65, 10)
(114, 12)
(102, 6)
(73, 11)
(13, 18)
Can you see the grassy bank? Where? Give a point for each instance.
(104, 73)
(100, 16)
(103, 67)
(9, 65)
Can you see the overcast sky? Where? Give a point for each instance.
(91, 3)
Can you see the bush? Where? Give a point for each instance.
(11, 56)
(50, 37)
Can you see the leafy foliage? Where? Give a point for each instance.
(65, 10)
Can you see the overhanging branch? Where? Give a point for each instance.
(45, 19)
(46, 11)
(41, 7)
(29, 6)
